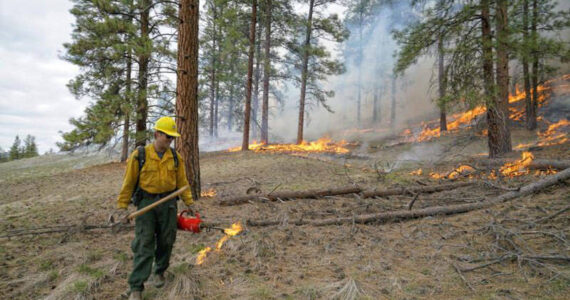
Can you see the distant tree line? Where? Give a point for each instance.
(18, 150)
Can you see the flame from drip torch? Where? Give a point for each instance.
(234, 229)
(321, 145)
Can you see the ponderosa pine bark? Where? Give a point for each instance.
(534, 78)
(143, 61)
(213, 74)
(530, 117)
(304, 73)
(497, 112)
(266, 73)
(256, 79)
(187, 92)
(393, 104)
(442, 80)
(127, 112)
(248, 87)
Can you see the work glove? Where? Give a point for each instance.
(189, 209)
(119, 216)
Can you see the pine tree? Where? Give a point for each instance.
(497, 108)
(359, 15)
(30, 147)
(4, 156)
(276, 16)
(108, 37)
(457, 22)
(187, 91)
(15, 152)
(314, 28)
(537, 45)
(248, 85)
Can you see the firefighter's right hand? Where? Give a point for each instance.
(119, 216)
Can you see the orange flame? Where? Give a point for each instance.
(459, 171)
(234, 229)
(554, 135)
(519, 167)
(417, 172)
(208, 193)
(466, 118)
(322, 145)
(202, 255)
(462, 170)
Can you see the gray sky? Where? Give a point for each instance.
(33, 96)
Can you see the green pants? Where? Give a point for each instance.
(155, 233)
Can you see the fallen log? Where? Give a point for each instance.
(292, 195)
(311, 194)
(415, 190)
(430, 211)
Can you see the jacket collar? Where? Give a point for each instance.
(153, 155)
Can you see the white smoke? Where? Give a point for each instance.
(413, 96)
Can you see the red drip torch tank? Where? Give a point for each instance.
(191, 223)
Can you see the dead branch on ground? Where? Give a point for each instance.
(311, 194)
(430, 211)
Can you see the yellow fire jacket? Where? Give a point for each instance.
(157, 176)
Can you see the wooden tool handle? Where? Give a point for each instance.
(155, 204)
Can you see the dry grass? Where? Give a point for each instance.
(409, 260)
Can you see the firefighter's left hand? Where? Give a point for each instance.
(190, 209)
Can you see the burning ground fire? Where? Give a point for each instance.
(234, 229)
(322, 145)
(209, 193)
(517, 168)
(464, 119)
(554, 135)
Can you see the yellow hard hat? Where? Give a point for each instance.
(166, 125)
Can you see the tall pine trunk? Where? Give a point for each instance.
(213, 73)
(534, 86)
(247, 111)
(266, 73)
(143, 60)
(442, 79)
(360, 55)
(216, 107)
(231, 98)
(304, 73)
(257, 77)
(376, 108)
(499, 139)
(393, 104)
(127, 112)
(530, 117)
(187, 92)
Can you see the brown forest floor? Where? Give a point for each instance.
(400, 260)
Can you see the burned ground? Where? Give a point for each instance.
(514, 254)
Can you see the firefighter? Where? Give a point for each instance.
(153, 172)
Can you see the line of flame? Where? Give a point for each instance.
(321, 145)
(233, 230)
